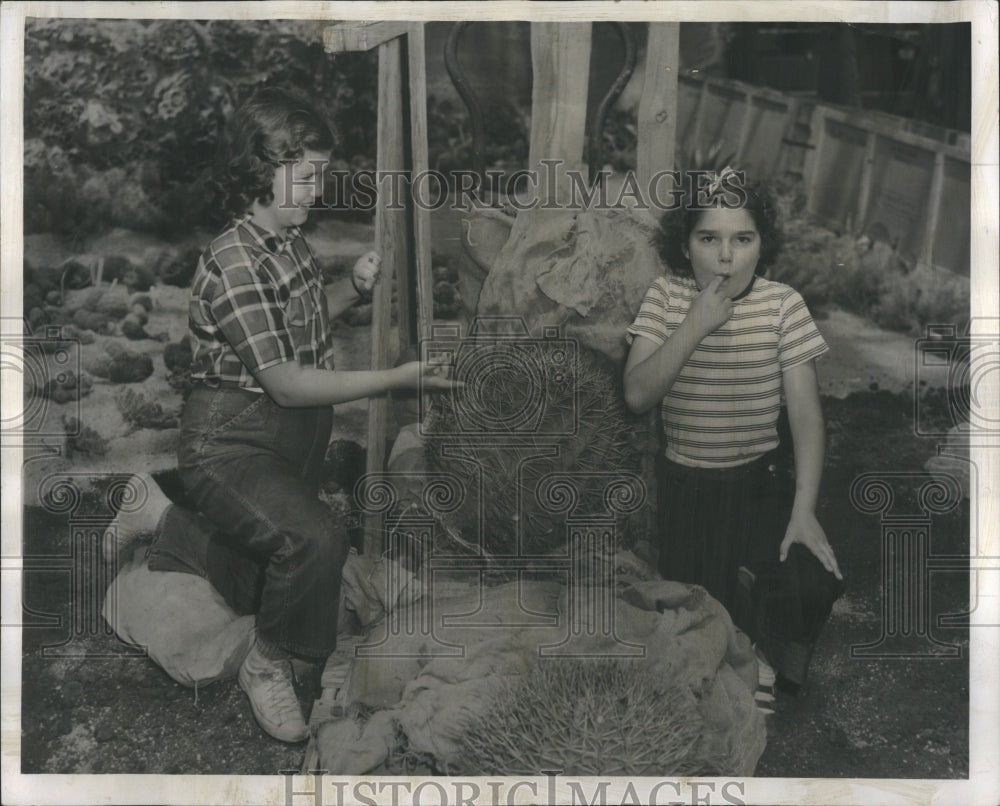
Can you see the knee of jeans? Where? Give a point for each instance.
(318, 541)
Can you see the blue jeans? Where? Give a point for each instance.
(260, 534)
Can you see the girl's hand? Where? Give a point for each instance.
(710, 309)
(805, 529)
(366, 272)
(425, 376)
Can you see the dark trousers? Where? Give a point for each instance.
(257, 531)
(722, 529)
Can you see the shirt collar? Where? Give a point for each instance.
(268, 240)
(739, 296)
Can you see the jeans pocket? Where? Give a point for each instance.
(230, 408)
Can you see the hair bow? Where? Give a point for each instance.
(715, 182)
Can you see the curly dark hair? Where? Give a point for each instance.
(272, 126)
(677, 224)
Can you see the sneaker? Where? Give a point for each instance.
(764, 695)
(268, 685)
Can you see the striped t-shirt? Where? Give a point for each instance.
(723, 407)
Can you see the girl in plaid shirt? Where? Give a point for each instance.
(256, 427)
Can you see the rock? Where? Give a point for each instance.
(129, 367)
(91, 320)
(132, 327)
(143, 413)
(53, 298)
(139, 312)
(142, 300)
(178, 356)
(99, 366)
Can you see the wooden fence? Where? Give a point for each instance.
(895, 180)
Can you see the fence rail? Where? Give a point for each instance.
(895, 180)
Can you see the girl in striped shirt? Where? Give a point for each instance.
(719, 347)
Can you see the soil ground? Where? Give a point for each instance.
(879, 716)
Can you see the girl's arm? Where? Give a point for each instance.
(340, 295)
(294, 386)
(808, 440)
(652, 368)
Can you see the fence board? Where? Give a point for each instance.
(840, 159)
(901, 183)
(865, 171)
(688, 96)
(952, 234)
(768, 124)
(722, 119)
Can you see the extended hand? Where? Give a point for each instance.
(805, 529)
(426, 376)
(367, 271)
(710, 309)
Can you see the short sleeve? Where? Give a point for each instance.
(798, 339)
(651, 321)
(249, 314)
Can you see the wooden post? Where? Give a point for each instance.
(656, 118)
(403, 234)
(933, 211)
(865, 190)
(817, 135)
(392, 242)
(560, 60)
(418, 149)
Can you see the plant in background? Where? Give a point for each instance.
(122, 117)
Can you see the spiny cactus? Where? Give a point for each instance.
(587, 717)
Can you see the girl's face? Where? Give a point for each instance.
(295, 186)
(724, 243)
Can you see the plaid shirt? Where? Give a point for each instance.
(257, 302)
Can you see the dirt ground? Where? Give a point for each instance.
(879, 716)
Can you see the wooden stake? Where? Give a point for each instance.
(560, 59)
(657, 115)
(391, 238)
(418, 149)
